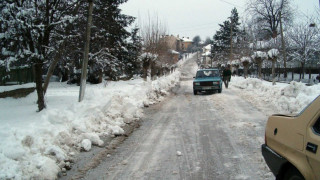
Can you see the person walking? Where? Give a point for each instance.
(226, 76)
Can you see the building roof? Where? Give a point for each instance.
(186, 40)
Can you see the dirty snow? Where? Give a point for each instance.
(38, 145)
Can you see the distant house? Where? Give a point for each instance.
(186, 42)
(173, 42)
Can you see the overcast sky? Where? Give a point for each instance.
(189, 18)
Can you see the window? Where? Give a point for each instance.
(316, 126)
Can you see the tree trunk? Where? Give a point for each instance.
(284, 52)
(302, 71)
(292, 74)
(86, 52)
(273, 72)
(50, 72)
(259, 70)
(38, 79)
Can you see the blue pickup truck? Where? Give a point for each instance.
(207, 80)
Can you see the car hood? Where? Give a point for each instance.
(207, 79)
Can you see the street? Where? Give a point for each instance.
(207, 136)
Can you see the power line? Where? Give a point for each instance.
(195, 28)
(231, 4)
(197, 25)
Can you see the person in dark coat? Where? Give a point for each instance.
(226, 76)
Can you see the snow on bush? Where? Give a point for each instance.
(259, 54)
(285, 98)
(246, 59)
(272, 53)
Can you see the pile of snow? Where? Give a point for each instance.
(285, 98)
(39, 145)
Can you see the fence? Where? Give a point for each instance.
(293, 74)
(16, 75)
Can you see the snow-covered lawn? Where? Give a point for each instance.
(283, 98)
(37, 145)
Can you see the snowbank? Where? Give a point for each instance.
(38, 145)
(285, 98)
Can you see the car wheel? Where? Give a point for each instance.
(293, 174)
(195, 92)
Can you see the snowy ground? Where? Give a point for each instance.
(38, 145)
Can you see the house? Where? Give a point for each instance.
(186, 42)
(173, 42)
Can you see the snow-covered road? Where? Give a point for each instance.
(208, 136)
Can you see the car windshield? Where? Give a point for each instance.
(307, 106)
(207, 73)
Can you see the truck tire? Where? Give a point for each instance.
(194, 92)
(219, 90)
(293, 174)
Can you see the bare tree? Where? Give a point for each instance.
(246, 62)
(272, 56)
(305, 42)
(153, 33)
(258, 58)
(269, 13)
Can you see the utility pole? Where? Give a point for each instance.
(86, 52)
(284, 51)
(231, 50)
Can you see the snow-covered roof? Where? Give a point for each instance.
(186, 40)
(173, 51)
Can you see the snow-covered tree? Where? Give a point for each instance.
(46, 34)
(258, 57)
(305, 43)
(226, 38)
(272, 56)
(267, 13)
(236, 64)
(246, 63)
(26, 33)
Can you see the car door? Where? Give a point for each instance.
(312, 145)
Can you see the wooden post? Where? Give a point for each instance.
(86, 52)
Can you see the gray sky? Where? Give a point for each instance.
(189, 18)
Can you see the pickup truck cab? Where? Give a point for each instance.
(207, 80)
(291, 148)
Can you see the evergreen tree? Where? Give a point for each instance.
(226, 36)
